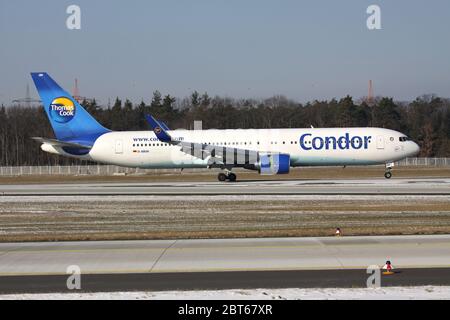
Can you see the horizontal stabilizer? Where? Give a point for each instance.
(63, 144)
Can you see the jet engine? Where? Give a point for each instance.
(274, 163)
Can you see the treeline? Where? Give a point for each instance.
(426, 120)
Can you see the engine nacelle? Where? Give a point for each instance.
(274, 163)
(50, 149)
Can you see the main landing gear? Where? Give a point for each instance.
(388, 173)
(228, 175)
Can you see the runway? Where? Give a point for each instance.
(221, 281)
(434, 186)
(188, 264)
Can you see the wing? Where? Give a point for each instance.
(214, 154)
(220, 154)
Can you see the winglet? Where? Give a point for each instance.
(164, 126)
(159, 129)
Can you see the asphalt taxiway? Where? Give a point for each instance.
(413, 186)
(222, 281)
(221, 264)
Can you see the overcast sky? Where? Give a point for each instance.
(305, 50)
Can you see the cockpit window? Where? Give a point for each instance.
(403, 139)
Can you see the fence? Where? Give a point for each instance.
(99, 170)
(427, 162)
(107, 170)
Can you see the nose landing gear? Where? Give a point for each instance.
(388, 173)
(228, 175)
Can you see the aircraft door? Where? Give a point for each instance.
(119, 147)
(380, 142)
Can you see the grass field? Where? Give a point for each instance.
(155, 217)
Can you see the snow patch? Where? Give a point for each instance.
(391, 293)
(210, 198)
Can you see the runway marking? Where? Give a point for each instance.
(206, 270)
(341, 245)
(161, 255)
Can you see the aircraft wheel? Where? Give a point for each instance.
(222, 177)
(232, 177)
(387, 175)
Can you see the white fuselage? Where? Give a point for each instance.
(306, 147)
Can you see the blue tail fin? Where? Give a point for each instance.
(69, 120)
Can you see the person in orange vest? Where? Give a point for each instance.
(388, 267)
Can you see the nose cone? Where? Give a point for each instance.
(415, 148)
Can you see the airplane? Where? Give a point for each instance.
(267, 151)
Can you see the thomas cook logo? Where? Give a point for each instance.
(157, 130)
(62, 110)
